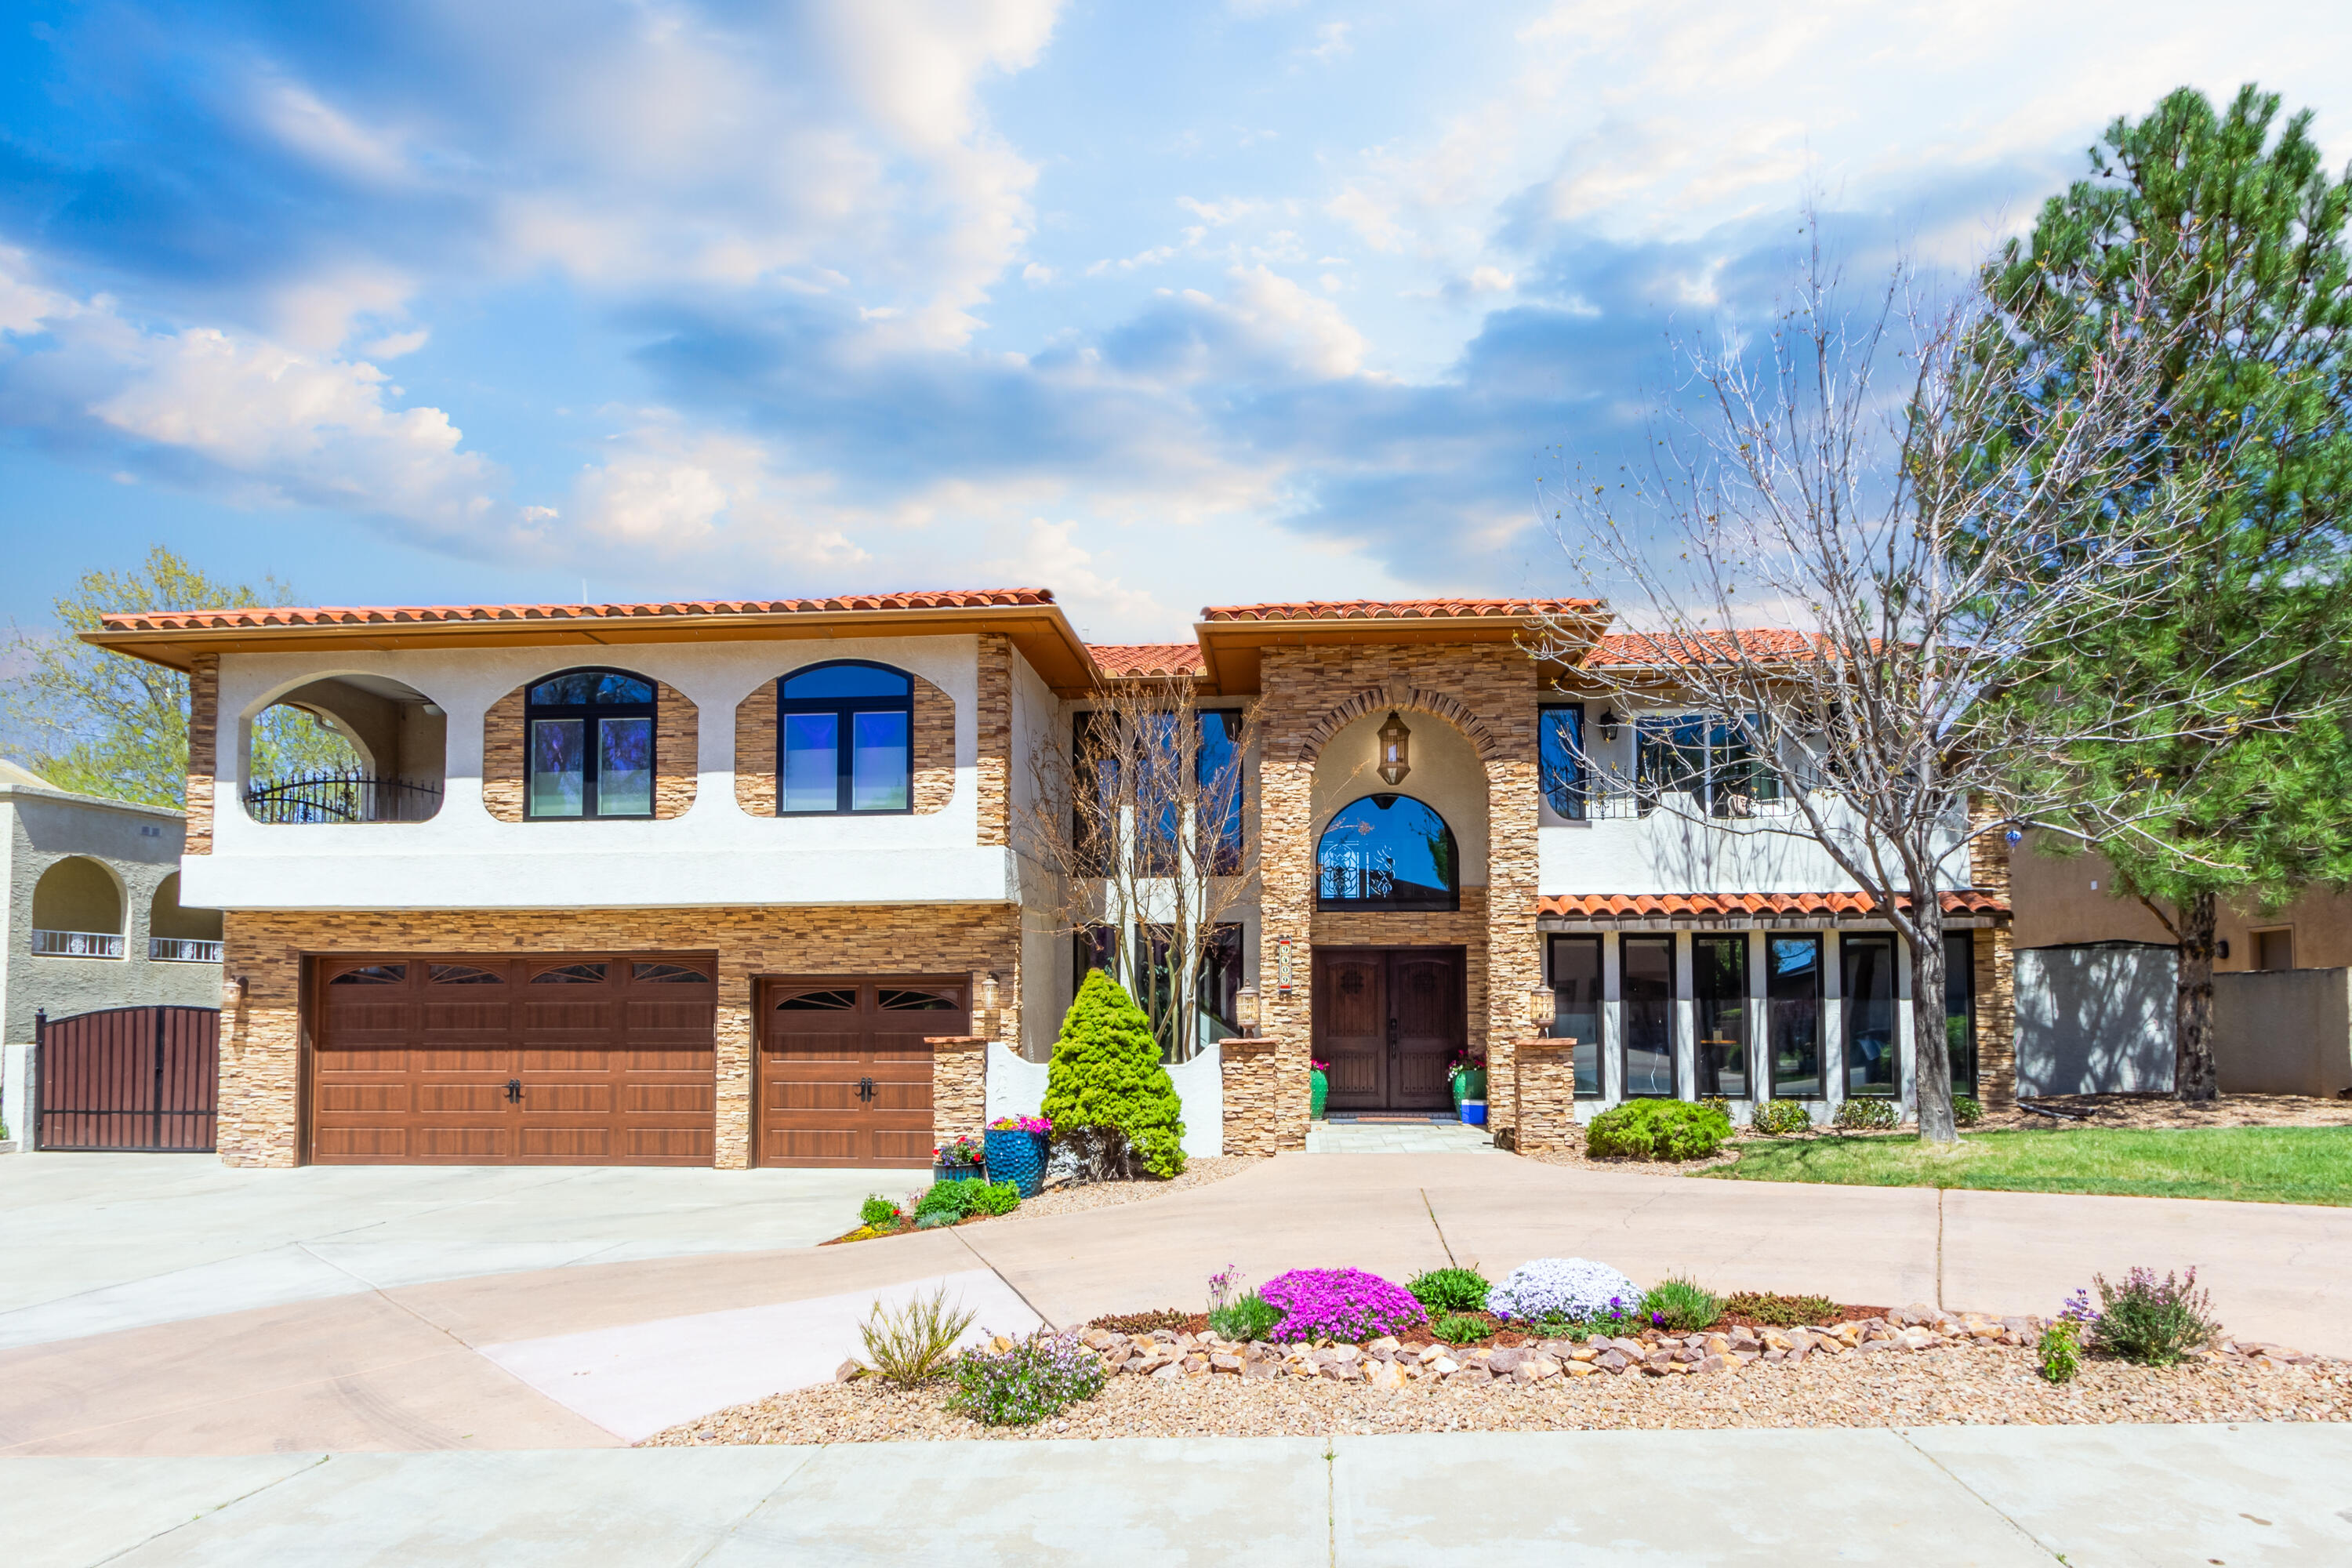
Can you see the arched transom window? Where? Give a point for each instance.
(1388, 852)
(844, 740)
(590, 742)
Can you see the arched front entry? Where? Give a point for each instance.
(1389, 1020)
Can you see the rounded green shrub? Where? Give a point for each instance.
(878, 1211)
(1967, 1110)
(962, 1199)
(1779, 1117)
(1683, 1305)
(1106, 1093)
(1869, 1113)
(1657, 1129)
(1450, 1290)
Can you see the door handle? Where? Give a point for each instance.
(1394, 1037)
(865, 1089)
(514, 1092)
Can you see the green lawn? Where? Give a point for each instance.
(2251, 1165)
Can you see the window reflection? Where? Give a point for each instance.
(1866, 987)
(1648, 990)
(1792, 1001)
(1387, 852)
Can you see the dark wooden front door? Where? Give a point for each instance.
(547, 1059)
(1386, 1019)
(844, 1075)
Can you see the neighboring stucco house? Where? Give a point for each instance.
(740, 883)
(94, 917)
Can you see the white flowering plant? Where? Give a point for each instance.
(1564, 1289)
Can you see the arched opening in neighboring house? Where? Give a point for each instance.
(347, 748)
(1388, 852)
(177, 934)
(77, 910)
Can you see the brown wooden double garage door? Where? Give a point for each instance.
(609, 1059)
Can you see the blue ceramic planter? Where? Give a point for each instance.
(959, 1172)
(1019, 1158)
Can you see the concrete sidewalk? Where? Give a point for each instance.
(1920, 1499)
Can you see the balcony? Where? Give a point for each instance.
(182, 950)
(340, 797)
(77, 944)
(1616, 800)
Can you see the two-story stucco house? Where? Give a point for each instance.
(740, 883)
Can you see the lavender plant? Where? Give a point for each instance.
(1039, 1376)
(2153, 1321)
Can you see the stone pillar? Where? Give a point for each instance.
(1996, 1007)
(1543, 1083)
(1257, 1109)
(993, 736)
(958, 1086)
(204, 729)
(259, 1121)
(732, 1072)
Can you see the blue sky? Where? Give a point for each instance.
(1156, 306)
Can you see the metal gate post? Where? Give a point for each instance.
(33, 1090)
(155, 1104)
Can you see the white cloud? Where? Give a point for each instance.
(392, 345)
(1332, 42)
(690, 496)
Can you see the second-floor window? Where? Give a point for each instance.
(845, 739)
(1560, 730)
(591, 744)
(1706, 759)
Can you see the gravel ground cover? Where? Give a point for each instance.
(1951, 1378)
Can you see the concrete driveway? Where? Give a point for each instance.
(93, 1243)
(586, 1353)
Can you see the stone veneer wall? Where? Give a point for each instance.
(1255, 1097)
(932, 739)
(959, 1085)
(261, 1076)
(1544, 1090)
(994, 738)
(204, 729)
(1996, 972)
(1488, 692)
(676, 769)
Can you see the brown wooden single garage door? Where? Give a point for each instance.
(844, 1075)
(548, 1060)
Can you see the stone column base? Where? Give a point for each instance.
(958, 1086)
(1543, 1076)
(1254, 1099)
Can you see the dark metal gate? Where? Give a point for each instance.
(135, 1078)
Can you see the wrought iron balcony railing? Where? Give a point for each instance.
(76, 943)
(340, 797)
(182, 950)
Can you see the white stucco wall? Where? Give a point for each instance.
(1016, 1086)
(713, 854)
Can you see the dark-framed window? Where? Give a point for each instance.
(1793, 1015)
(1709, 760)
(1387, 852)
(844, 740)
(1866, 993)
(1560, 729)
(1719, 983)
(1221, 983)
(1960, 1008)
(1576, 1007)
(1220, 790)
(589, 742)
(1646, 985)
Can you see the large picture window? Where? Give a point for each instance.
(1866, 986)
(1792, 1007)
(1960, 1008)
(1719, 977)
(1219, 783)
(1561, 766)
(589, 739)
(1387, 852)
(845, 739)
(1706, 759)
(1576, 1007)
(1648, 989)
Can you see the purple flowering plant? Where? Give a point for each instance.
(961, 1150)
(1346, 1305)
(1039, 1125)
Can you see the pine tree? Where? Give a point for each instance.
(2200, 229)
(1106, 1090)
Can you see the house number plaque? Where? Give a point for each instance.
(1282, 965)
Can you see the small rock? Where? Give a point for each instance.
(1226, 1363)
(1385, 1345)
(1168, 1372)
(1385, 1375)
(1536, 1368)
(1714, 1364)
(1443, 1365)
(1579, 1368)
(1504, 1361)
(846, 1372)
(1615, 1359)
(1716, 1344)
(1259, 1370)
(1099, 1339)
(1347, 1352)
(1582, 1352)
(1474, 1373)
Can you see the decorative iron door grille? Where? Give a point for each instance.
(142, 1079)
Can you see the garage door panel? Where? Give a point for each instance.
(844, 1071)
(439, 1039)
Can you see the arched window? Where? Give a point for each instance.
(844, 740)
(77, 910)
(591, 744)
(1388, 852)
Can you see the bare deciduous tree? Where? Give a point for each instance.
(1925, 558)
(1144, 827)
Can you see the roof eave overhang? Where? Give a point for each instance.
(1233, 649)
(1042, 634)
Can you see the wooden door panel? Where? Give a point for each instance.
(823, 1038)
(1353, 1027)
(1365, 995)
(1424, 992)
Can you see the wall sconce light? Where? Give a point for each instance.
(1609, 722)
(1396, 748)
(1542, 1008)
(232, 991)
(988, 993)
(1245, 1010)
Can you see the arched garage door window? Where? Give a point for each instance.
(1388, 852)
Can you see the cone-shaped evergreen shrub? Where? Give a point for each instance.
(1106, 1090)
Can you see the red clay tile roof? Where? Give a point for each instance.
(1664, 906)
(334, 615)
(1397, 609)
(1148, 659)
(1640, 648)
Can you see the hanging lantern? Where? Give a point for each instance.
(1396, 746)
(988, 993)
(1609, 722)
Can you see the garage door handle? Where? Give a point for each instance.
(865, 1089)
(514, 1092)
